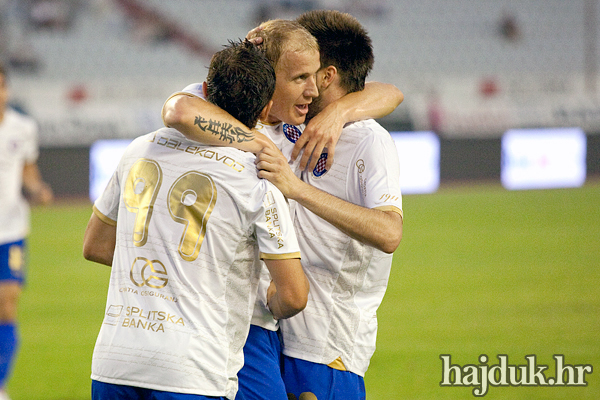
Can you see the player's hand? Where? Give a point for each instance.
(252, 38)
(273, 166)
(41, 194)
(271, 290)
(322, 132)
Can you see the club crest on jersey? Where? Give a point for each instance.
(320, 167)
(291, 132)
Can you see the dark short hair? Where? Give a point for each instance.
(241, 81)
(343, 43)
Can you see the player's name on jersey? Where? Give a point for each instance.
(202, 151)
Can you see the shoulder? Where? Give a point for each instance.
(17, 119)
(367, 126)
(367, 132)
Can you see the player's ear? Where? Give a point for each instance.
(328, 76)
(265, 111)
(204, 90)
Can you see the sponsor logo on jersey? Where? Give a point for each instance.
(155, 278)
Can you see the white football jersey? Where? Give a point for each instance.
(347, 278)
(18, 146)
(262, 316)
(192, 222)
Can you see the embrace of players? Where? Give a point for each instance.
(249, 259)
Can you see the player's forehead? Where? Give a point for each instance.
(293, 63)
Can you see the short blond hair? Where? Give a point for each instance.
(280, 36)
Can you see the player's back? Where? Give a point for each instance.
(186, 265)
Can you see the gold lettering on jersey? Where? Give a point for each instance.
(139, 324)
(362, 182)
(159, 316)
(191, 200)
(273, 226)
(149, 293)
(158, 295)
(213, 155)
(177, 145)
(388, 197)
(141, 189)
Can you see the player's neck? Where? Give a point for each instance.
(332, 94)
(270, 120)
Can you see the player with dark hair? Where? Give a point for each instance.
(343, 44)
(349, 223)
(184, 227)
(240, 88)
(19, 173)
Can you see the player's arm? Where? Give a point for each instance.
(288, 293)
(376, 100)
(99, 241)
(36, 190)
(377, 228)
(197, 119)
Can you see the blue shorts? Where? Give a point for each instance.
(326, 383)
(109, 391)
(12, 261)
(260, 377)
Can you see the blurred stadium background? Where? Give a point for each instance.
(470, 70)
(480, 270)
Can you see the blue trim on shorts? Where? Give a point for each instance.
(326, 383)
(260, 377)
(13, 261)
(109, 391)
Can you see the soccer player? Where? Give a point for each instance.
(183, 227)
(259, 377)
(293, 52)
(18, 172)
(348, 225)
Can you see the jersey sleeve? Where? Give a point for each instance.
(378, 166)
(274, 229)
(106, 207)
(31, 149)
(192, 90)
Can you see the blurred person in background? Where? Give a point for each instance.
(20, 183)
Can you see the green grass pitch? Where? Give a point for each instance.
(480, 270)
